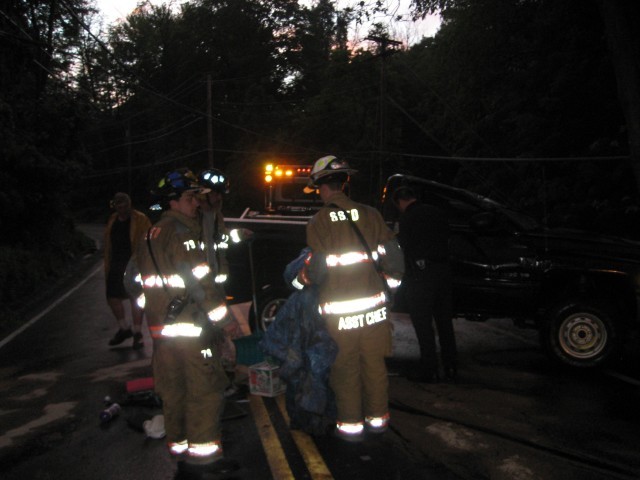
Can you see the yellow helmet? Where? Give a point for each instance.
(329, 169)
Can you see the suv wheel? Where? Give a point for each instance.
(268, 304)
(580, 334)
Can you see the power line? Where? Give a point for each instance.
(120, 170)
(150, 89)
(515, 159)
(147, 140)
(246, 130)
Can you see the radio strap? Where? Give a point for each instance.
(376, 264)
(155, 264)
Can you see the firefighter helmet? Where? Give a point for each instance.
(176, 182)
(329, 169)
(214, 180)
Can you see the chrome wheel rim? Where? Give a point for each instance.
(583, 335)
(270, 311)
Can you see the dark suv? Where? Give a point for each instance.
(580, 290)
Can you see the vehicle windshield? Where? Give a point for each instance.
(524, 221)
(453, 196)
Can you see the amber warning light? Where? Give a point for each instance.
(268, 173)
(272, 172)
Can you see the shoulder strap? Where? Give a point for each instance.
(367, 249)
(153, 259)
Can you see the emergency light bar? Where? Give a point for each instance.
(284, 189)
(273, 172)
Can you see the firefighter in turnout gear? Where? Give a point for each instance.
(217, 238)
(363, 263)
(213, 230)
(184, 309)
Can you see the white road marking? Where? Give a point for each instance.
(49, 308)
(52, 412)
(622, 377)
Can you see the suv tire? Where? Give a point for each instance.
(580, 334)
(268, 304)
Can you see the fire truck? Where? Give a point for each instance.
(286, 191)
(279, 234)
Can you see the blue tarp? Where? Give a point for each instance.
(305, 351)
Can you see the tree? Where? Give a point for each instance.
(619, 18)
(40, 119)
(41, 122)
(501, 79)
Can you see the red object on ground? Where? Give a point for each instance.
(140, 384)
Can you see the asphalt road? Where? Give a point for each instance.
(511, 414)
(56, 372)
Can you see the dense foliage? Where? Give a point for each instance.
(41, 120)
(510, 98)
(516, 82)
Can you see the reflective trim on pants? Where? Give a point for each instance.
(378, 422)
(350, 428)
(178, 448)
(191, 388)
(202, 450)
(359, 373)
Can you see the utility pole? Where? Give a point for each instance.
(383, 50)
(209, 122)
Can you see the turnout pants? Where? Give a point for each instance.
(190, 380)
(359, 373)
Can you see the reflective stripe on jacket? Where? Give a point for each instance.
(216, 238)
(183, 273)
(353, 293)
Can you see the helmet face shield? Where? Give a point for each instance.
(339, 165)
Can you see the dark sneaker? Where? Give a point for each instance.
(137, 341)
(120, 336)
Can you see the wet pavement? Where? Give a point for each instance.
(510, 414)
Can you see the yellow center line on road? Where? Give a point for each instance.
(317, 468)
(269, 437)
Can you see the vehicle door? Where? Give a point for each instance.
(486, 248)
(260, 262)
